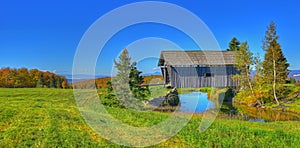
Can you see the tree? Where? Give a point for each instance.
(20, 78)
(5, 72)
(109, 87)
(23, 77)
(40, 82)
(121, 81)
(258, 78)
(135, 83)
(34, 77)
(52, 82)
(13, 78)
(275, 66)
(243, 62)
(234, 45)
(109, 98)
(58, 82)
(64, 84)
(46, 79)
(127, 83)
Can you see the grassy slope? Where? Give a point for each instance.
(49, 117)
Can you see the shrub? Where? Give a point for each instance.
(172, 98)
(291, 81)
(229, 94)
(205, 89)
(110, 100)
(245, 97)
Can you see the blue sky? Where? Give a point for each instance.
(45, 34)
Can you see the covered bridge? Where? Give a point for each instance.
(194, 69)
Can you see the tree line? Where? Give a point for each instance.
(24, 78)
(268, 84)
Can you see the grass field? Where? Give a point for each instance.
(50, 118)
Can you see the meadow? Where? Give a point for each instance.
(47, 117)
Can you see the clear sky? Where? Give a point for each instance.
(44, 34)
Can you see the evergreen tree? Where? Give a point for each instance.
(275, 66)
(135, 83)
(58, 82)
(109, 87)
(40, 82)
(121, 81)
(127, 83)
(109, 98)
(52, 82)
(234, 45)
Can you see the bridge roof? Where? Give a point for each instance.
(196, 57)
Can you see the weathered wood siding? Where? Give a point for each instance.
(166, 75)
(194, 77)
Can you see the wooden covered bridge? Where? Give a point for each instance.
(194, 69)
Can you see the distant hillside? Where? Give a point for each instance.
(82, 77)
(151, 74)
(295, 74)
(101, 82)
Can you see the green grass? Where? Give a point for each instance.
(50, 118)
(294, 106)
(157, 91)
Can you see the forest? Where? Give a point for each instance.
(24, 78)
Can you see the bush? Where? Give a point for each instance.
(172, 98)
(245, 97)
(110, 100)
(205, 89)
(229, 94)
(265, 95)
(291, 81)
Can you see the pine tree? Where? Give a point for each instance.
(109, 87)
(135, 83)
(127, 83)
(52, 82)
(121, 81)
(234, 45)
(275, 66)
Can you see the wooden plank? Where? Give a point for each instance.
(194, 77)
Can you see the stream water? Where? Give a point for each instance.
(252, 114)
(189, 102)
